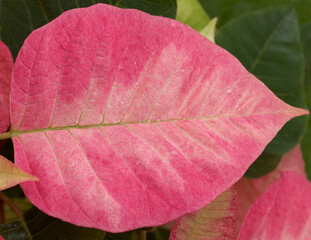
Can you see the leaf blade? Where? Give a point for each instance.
(249, 190)
(270, 216)
(138, 112)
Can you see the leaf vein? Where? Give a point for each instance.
(196, 141)
(252, 67)
(62, 176)
(60, 75)
(118, 69)
(163, 160)
(178, 148)
(194, 88)
(167, 82)
(31, 76)
(90, 83)
(35, 182)
(93, 170)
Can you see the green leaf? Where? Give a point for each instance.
(306, 42)
(190, 12)
(18, 18)
(13, 231)
(209, 30)
(267, 42)
(42, 226)
(232, 8)
(306, 141)
(306, 151)
(212, 7)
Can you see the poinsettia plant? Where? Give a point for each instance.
(127, 115)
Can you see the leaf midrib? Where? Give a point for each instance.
(295, 111)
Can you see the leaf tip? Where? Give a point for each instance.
(300, 112)
(11, 175)
(34, 178)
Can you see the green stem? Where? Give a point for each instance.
(5, 135)
(26, 228)
(18, 212)
(12, 205)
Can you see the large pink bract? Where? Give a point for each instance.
(131, 120)
(282, 212)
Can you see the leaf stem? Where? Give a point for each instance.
(12, 205)
(142, 235)
(18, 212)
(5, 135)
(26, 228)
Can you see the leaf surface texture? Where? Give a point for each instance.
(131, 120)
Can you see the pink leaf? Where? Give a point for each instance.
(6, 66)
(131, 120)
(249, 190)
(11, 175)
(282, 212)
(215, 221)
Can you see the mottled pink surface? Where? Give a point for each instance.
(6, 66)
(249, 190)
(216, 221)
(282, 212)
(131, 120)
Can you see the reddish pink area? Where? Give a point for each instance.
(6, 66)
(282, 212)
(249, 190)
(133, 120)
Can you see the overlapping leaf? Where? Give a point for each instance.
(215, 221)
(191, 13)
(249, 190)
(282, 212)
(6, 66)
(11, 175)
(131, 120)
